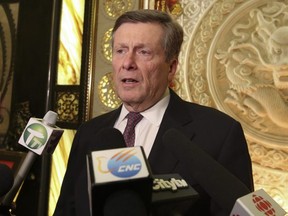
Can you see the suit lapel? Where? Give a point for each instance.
(176, 116)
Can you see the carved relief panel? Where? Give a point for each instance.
(235, 59)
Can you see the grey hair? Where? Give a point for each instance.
(173, 32)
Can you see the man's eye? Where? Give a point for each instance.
(144, 52)
(119, 51)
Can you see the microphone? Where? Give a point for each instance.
(222, 186)
(257, 203)
(108, 138)
(115, 202)
(6, 179)
(172, 195)
(39, 136)
(117, 174)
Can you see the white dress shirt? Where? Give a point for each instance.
(147, 129)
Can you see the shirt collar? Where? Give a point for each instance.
(154, 114)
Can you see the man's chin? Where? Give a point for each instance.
(130, 96)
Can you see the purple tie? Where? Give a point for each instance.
(129, 133)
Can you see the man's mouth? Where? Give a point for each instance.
(129, 80)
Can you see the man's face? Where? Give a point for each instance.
(140, 72)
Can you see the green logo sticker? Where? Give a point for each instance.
(35, 136)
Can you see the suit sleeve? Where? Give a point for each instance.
(234, 156)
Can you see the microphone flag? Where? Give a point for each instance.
(41, 136)
(257, 203)
(114, 170)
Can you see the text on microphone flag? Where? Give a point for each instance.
(119, 164)
(40, 137)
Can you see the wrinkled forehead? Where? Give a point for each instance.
(139, 32)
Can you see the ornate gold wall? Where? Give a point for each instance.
(234, 58)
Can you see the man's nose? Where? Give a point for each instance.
(129, 61)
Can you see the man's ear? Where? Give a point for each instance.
(173, 66)
(172, 71)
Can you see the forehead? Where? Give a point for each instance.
(139, 32)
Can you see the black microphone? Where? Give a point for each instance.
(222, 186)
(116, 174)
(6, 179)
(108, 138)
(124, 203)
(172, 195)
(39, 136)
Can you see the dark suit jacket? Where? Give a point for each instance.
(215, 132)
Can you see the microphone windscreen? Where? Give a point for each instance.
(6, 179)
(222, 186)
(109, 138)
(124, 203)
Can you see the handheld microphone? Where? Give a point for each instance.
(118, 174)
(39, 136)
(222, 186)
(6, 179)
(172, 195)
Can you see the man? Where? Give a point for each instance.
(146, 45)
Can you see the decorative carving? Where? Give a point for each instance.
(115, 8)
(199, 48)
(106, 92)
(19, 118)
(106, 45)
(192, 12)
(269, 157)
(8, 24)
(257, 70)
(67, 106)
(245, 73)
(274, 182)
(172, 7)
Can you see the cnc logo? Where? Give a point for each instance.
(35, 136)
(123, 164)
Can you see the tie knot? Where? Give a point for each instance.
(134, 118)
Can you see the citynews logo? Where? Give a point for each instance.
(35, 136)
(123, 164)
(171, 184)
